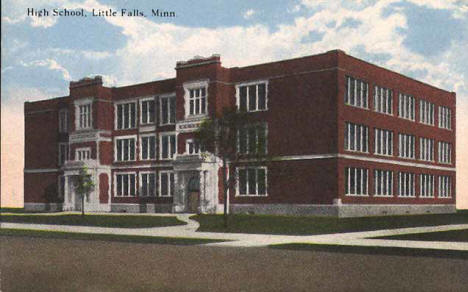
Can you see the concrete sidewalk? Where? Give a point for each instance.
(251, 240)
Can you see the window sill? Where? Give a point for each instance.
(356, 195)
(250, 196)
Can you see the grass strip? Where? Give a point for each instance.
(125, 221)
(451, 235)
(105, 237)
(374, 250)
(309, 225)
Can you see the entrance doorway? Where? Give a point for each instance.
(193, 195)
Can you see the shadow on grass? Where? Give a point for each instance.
(308, 225)
(374, 250)
(105, 237)
(127, 221)
(451, 235)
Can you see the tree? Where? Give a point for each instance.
(219, 135)
(83, 185)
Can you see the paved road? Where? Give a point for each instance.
(39, 264)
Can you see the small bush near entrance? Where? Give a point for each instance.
(308, 225)
(126, 221)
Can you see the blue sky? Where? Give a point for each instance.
(425, 39)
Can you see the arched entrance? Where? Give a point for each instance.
(193, 194)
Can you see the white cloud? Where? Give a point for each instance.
(248, 14)
(43, 21)
(50, 64)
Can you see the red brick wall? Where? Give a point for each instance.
(41, 188)
(103, 188)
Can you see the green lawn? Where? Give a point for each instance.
(452, 235)
(106, 237)
(266, 224)
(124, 221)
(374, 250)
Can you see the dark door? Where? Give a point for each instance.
(193, 194)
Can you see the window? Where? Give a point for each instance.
(445, 118)
(197, 101)
(445, 152)
(168, 109)
(126, 115)
(148, 147)
(252, 139)
(147, 111)
(426, 185)
(82, 154)
(426, 112)
(167, 146)
(356, 181)
(125, 185)
(147, 184)
(191, 147)
(356, 92)
(383, 144)
(406, 106)
(252, 181)
(125, 149)
(406, 145)
(383, 183)
(252, 96)
(356, 137)
(63, 121)
(406, 184)
(166, 184)
(426, 149)
(62, 153)
(445, 186)
(84, 115)
(383, 100)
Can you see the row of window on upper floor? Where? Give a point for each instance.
(251, 139)
(357, 92)
(356, 138)
(250, 97)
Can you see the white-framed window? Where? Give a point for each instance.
(166, 184)
(406, 106)
(252, 181)
(147, 184)
(356, 137)
(356, 181)
(167, 145)
(383, 183)
(84, 116)
(383, 142)
(125, 184)
(426, 149)
(252, 139)
(62, 153)
(406, 146)
(252, 96)
(426, 185)
(148, 147)
(445, 152)
(191, 147)
(147, 109)
(357, 92)
(125, 148)
(167, 106)
(197, 101)
(383, 100)
(426, 112)
(445, 186)
(63, 121)
(406, 185)
(82, 154)
(126, 115)
(445, 117)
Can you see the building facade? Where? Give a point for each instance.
(344, 138)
